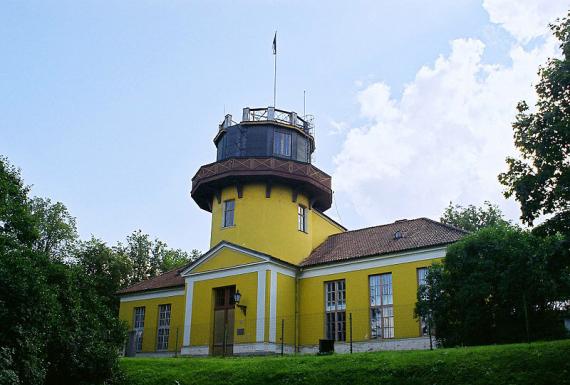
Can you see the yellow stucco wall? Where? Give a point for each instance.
(404, 286)
(126, 313)
(269, 225)
(223, 259)
(322, 227)
(285, 308)
(203, 308)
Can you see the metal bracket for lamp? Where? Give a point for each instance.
(237, 298)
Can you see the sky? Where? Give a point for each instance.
(111, 106)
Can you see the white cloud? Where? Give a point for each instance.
(447, 137)
(525, 19)
(337, 127)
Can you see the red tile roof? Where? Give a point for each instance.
(416, 234)
(390, 238)
(167, 280)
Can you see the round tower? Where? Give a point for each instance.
(263, 192)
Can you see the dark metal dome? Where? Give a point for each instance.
(270, 146)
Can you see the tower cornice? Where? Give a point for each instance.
(302, 177)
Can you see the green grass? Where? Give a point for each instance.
(537, 363)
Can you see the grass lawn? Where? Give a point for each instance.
(537, 363)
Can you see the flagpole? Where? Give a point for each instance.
(275, 70)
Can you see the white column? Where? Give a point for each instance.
(260, 325)
(273, 306)
(188, 312)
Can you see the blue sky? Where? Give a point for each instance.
(111, 107)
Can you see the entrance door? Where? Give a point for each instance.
(224, 321)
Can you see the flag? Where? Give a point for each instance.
(275, 44)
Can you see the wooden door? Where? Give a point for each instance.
(224, 306)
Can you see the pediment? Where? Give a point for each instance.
(223, 256)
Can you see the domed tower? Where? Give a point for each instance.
(263, 192)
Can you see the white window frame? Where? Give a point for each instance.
(381, 306)
(302, 218)
(335, 310)
(138, 326)
(421, 273)
(163, 329)
(226, 211)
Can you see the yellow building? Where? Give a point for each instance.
(280, 274)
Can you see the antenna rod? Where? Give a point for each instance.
(304, 114)
(275, 69)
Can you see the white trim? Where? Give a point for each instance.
(152, 295)
(224, 245)
(201, 350)
(261, 348)
(188, 312)
(237, 270)
(273, 306)
(222, 272)
(370, 263)
(260, 326)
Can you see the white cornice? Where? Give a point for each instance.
(151, 295)
(225, 245)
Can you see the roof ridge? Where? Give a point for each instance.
(447, 225)
(146, 280)
(377, 226)
(375, 240)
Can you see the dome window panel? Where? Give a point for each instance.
(282, 143)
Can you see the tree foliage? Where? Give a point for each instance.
(500, 284)
(472, 218)
(149, 258)
(58, 309)
(55, 328)
(540, 180)
(57, 228)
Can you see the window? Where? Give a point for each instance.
(302, 218)
(282, 143)
(163, 327)
(422, 272)
(228, 214)
(335, 307)
(381, 306)
(138, 326)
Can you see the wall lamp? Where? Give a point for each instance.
(237, 298)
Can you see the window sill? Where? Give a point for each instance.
(227, 227)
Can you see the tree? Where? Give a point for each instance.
(500, 284)
(150, 258)
(55, 328)
(174, 258)
(108, 270)
(540, 180)
(16, 220)
(57, 228)
(472, 218)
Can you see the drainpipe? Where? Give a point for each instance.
(297, 277)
